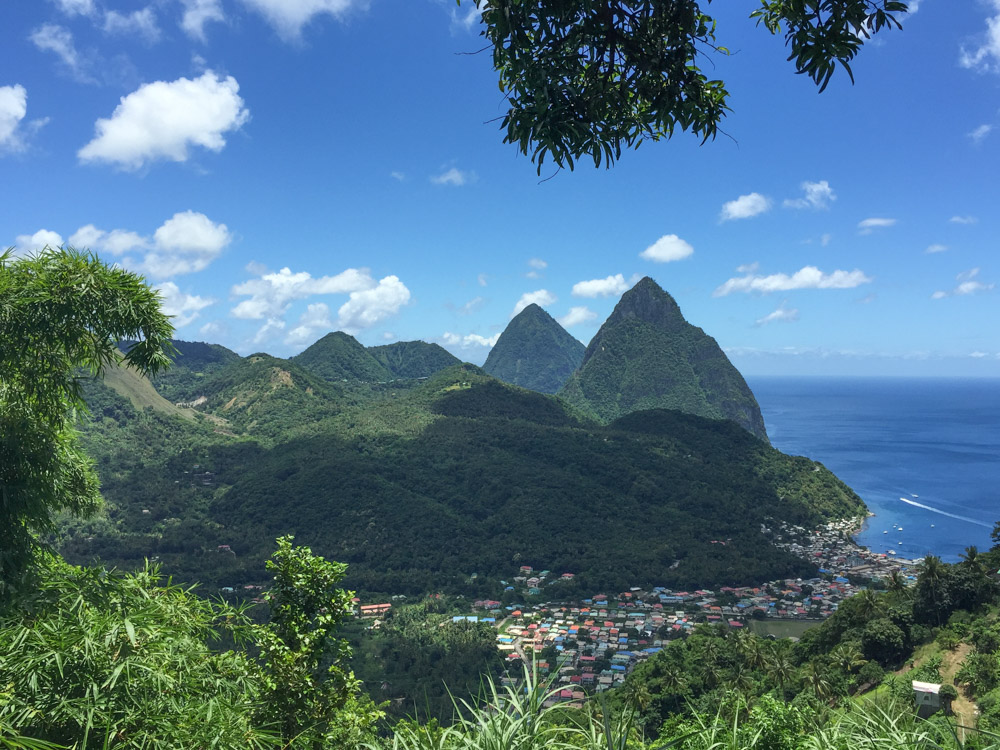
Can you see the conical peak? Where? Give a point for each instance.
(648, 301)
(532, 311)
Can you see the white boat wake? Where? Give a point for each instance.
(946, 513)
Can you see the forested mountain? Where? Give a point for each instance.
(338, 357)
(418, 487)
(413, 359)
(534, 352)
(647, 356)
(192, 362)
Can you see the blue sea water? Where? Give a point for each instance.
(923, 453)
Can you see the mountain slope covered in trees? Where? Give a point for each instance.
(419, 487)
(647, 356)
(413, 359)
(534, 352)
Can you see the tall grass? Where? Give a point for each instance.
(516, 718)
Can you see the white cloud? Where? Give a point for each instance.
(185, 243)
(745, 207)
(197, 13)
(576, 316)
(454, 177)
(782, 314)
(182, 307)
(269, 330)
(465, 19)
(967, 284)
(537, 266)
(825, 239)
(542, 297)
(469, 340)
(58, 40)
(367, 307)
(388, 335)
(931, 249)
(272, 293)
(116, 242)
(816, 195)
(76, 7)
(867, 226)
(482, 279)
(13, 108)
(980, 133)
(978, 355)
(138, 22)
(472, 306)
(748, 267)
(611, 286)
(32, 243)
(808, 277)
(963, 220)
(668, 248)
(289, 17)
(314, 321)
(213, 328)
(984, 57)
(398, 176)
(164, 120)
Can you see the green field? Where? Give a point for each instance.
(782, 628)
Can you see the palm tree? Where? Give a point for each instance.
(971, 558)
(867, 604)
(749, 647)
(931, 582)
(847, 657)
(815, 679)
(779, 667)
(896, 582)
(673, 679)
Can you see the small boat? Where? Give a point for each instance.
(899, 543)
(900, 528)
(885, 532)
(892, 552)
(932, 526)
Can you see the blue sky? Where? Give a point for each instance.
(283, 168)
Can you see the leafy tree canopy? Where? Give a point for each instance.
(587, 79)
(60, 311)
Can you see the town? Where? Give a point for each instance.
(591, 645)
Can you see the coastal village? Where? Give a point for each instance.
(591, 645)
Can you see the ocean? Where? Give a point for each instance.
(923, 453)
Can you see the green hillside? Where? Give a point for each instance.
(192, 362)
(140, 392)
(647, 356)
(413, 359)
(418, 488)
(534, 352)
(338, 357)
(634, 503)
(265, 396)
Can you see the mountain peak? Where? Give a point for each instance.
(532, 309)
(339, 356)
(648, 301)
(534, 352)
(647, 356)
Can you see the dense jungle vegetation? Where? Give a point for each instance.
(98, 658)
